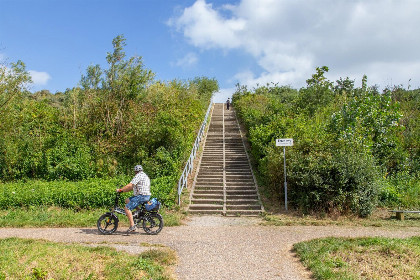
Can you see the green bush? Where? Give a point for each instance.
(69, 159)
(328, 181)
(163, 189)
(85, 194)
(400, 190)
(116, 118)
(352, 145)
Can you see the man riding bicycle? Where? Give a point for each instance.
(140, 185)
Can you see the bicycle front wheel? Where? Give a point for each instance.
(153, 223)
(107, 223)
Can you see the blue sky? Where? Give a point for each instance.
(242, 41)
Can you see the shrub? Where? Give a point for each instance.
(341, 181)
(163, 189)
(69, 158)
(85, 194)
(114, 119)
(351, 144)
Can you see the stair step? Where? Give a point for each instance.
(209, 180)
(229, 185)
(225, 179)
(248, 189)
(209, 201)
(206, 207)
(243, 207)
(238, 197)
(242, 202)
(246, 177)
(235, 213)
(240, 187)
(240, 192)
(239, 183)
(209, 190)
(205, 212)
(209, 176)
(207, 196)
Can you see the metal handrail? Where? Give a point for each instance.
(183, 181)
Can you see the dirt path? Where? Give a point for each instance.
(217, 247)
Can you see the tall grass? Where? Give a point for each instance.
(401, 190)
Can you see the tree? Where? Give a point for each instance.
(13, 82)
(317, 94)
(109, 92)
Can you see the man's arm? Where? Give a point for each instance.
(126, 188)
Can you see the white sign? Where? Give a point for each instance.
(284, 142)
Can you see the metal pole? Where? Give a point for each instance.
(285, 181)
(179, 194)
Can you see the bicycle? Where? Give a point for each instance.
(151, 220)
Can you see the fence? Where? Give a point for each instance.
(183, 181)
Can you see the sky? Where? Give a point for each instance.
(250, 42)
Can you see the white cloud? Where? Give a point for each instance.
(288, 39)
(384, 74)
(223, 94)
(188, 60)
(206, 28)
(39, 78)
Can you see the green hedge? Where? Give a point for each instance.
(85, 194)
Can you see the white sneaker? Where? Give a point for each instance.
(132, 229)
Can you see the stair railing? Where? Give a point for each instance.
(183, 181)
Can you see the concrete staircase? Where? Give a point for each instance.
(224, 183)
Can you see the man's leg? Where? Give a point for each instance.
(131, 204)
(129, 216)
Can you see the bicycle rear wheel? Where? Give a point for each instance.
(153, 223)
(107, 223)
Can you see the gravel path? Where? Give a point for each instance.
(212, 247)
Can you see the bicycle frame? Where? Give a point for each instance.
(151, 221)
(138, 215)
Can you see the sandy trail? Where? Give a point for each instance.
(211, 247)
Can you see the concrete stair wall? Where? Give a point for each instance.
(224, 183)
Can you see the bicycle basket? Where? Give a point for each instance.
(153, 205)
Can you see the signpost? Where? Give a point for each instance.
(287, 142)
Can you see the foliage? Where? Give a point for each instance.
(349, 143)
(83, 194)
(409, 101)
(401, 190)
(342, 181)
(115, 118)
(371, 119)
(13, 82)
(317, 94)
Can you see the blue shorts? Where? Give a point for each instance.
(136, 201)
